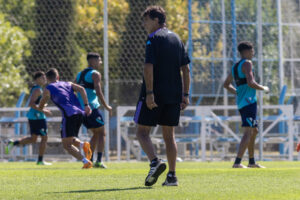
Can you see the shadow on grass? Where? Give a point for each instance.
(106, 190)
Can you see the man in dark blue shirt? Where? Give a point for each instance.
(162, 94)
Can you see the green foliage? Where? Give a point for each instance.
(177, 17)
(19, 12)
(89, 29)
(54, 44)
(13, 45)
(59, 33)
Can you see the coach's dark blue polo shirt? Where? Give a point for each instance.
(166, 52)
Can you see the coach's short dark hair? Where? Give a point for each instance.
(38, 74)
(91, 55)
(155, 12)
(245, 45)
(52, 74)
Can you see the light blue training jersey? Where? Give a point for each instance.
(245, 94)
(91, 93)
(34, 114)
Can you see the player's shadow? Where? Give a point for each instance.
(107, 190)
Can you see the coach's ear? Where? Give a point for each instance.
(58, 77)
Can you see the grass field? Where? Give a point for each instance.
(217, 180)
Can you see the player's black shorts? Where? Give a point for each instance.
(38, 127)
(164, 114)
(70, 126)
(248, 114)
(94, 120)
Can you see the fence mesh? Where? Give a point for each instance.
(39, 34)
(215, 35)
(59, 33)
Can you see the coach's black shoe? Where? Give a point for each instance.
(170, 181)
(156, 169)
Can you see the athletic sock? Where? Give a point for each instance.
(251, 161)
(154, 162)
(171, 173)
(17, 142)
(84, 160)
(99, 157)
(81, 149)
(237, 161)
(92, 158)
(40, 159)
(81, 145)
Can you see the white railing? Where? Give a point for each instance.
(7, 116)
(206, 116)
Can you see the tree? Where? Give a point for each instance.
(13, 45)
(54, 44)
(19, 13)
(89, 29)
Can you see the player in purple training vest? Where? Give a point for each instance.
(62, 95)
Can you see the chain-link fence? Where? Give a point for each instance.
(59, 33)
(39, 34)
(217, 26)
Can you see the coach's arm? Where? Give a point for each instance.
(148, 76)
(186, 80)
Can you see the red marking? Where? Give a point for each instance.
(298, 147)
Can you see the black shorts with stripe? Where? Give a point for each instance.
(248, 115)
(94, 120)
(70, 125)
(38, 127)
(164, 114)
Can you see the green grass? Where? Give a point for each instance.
(217, 180)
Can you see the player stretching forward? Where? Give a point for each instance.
(245, 90)
(36, 119)
(62, 95)
(90, 79)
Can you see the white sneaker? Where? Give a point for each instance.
(239, 166)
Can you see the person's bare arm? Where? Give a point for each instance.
(227, 84)
(96, 76)
(81, 90)
(186, 79)
(247, 70)
(44, 100)
(148, 76)
(35, 94)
